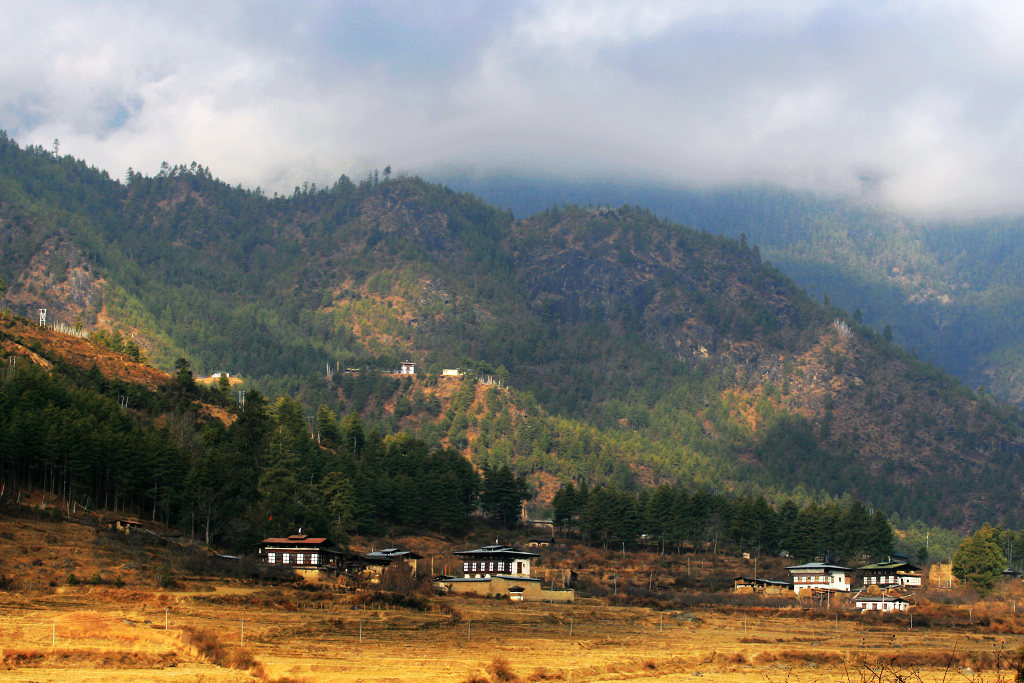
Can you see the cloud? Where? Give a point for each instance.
(924, 97)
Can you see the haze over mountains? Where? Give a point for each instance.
(638, 350)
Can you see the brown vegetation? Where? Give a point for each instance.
(224, 622)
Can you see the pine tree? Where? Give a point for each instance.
(979, 561)
(564, 504)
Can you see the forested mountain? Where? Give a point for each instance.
(637, 351)
(950, 290)
(96, 429)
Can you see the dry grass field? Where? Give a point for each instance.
(114, 622)
(239, 632)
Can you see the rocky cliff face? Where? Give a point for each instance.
(60, 279)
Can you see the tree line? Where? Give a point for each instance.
(102, 443)
(672, 518)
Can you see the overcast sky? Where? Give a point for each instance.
(925, 98)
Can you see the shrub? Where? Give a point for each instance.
(165, 579)
(385, 600)
(397, 578)
(500, 670)
(210, 647)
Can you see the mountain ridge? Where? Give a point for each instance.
(639, 350)
(949, 288)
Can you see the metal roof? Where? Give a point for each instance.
(392, 554)
(892, 565)
(496, 551)
(819, 565)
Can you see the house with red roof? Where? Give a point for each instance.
(312, 557)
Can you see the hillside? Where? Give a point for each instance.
(950, 289)
(631, 350)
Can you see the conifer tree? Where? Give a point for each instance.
(979, 561)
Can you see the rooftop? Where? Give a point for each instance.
(496, 551)
(818, 566)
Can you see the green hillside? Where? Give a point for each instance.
(950, 290)
(637, 351)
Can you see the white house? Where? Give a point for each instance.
(499, 560)
(892, 573)
(451, 372)
(503, 571)
(882, 604)
(407, 368)
(820, 576)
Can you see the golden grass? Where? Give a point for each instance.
(280, 634)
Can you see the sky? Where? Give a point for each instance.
(919, 103)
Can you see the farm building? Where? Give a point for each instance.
(313, 558)
(379, 560)
(500, 570)
(891, 573)
(882, 604)
(495, 559)
(746, 584)
(820, 576)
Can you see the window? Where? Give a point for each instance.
(298, 558)
(286, 558)
(314, 558)
(271, 558)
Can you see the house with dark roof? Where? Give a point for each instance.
(495, 559)
(379, 560)
(312, 557)
(815, 576)
(502, 571)
(891, 573)
(746, 584)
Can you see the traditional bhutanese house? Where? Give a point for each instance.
(891, 573)
(819, 576)
(503, 571)
(407, 368)
(313, 558)
(495, 559)
(379, 560)
(882, 604)
(746, 584)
